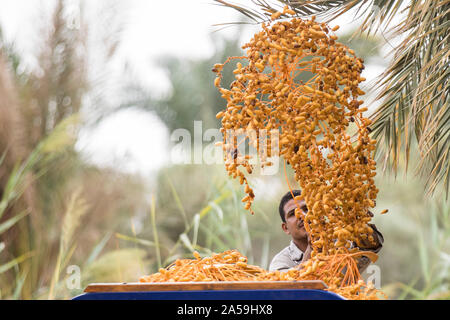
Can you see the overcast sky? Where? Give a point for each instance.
(132, 140)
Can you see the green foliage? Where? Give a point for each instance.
(42, 175)
(211, 219)
(18, 182)
(422, 269)
(120, 265)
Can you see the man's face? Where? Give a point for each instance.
(293, 226)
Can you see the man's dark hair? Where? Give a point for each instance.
(288, 196)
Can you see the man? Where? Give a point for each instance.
(300, 247)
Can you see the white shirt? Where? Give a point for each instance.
(287, 258)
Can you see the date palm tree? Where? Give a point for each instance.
(414, 89)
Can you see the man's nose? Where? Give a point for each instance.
(301, 215)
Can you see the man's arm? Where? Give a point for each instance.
(373, 246)
(306, 255)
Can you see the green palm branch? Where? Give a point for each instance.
(414, 89)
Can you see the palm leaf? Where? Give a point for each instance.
(415, 94)
(143, 242)
(98, 248)
(14, 262)
(12, 221)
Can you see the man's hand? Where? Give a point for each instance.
(376, 244)
(306, 254)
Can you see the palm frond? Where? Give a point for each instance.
(415, 94)
(377, 12)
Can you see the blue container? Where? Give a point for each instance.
(149, 292)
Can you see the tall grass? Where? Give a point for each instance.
(19, 180)
(213, 222)
(76, 209)
(431, 261)
(38, 109)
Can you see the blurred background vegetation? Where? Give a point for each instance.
(57, 209)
